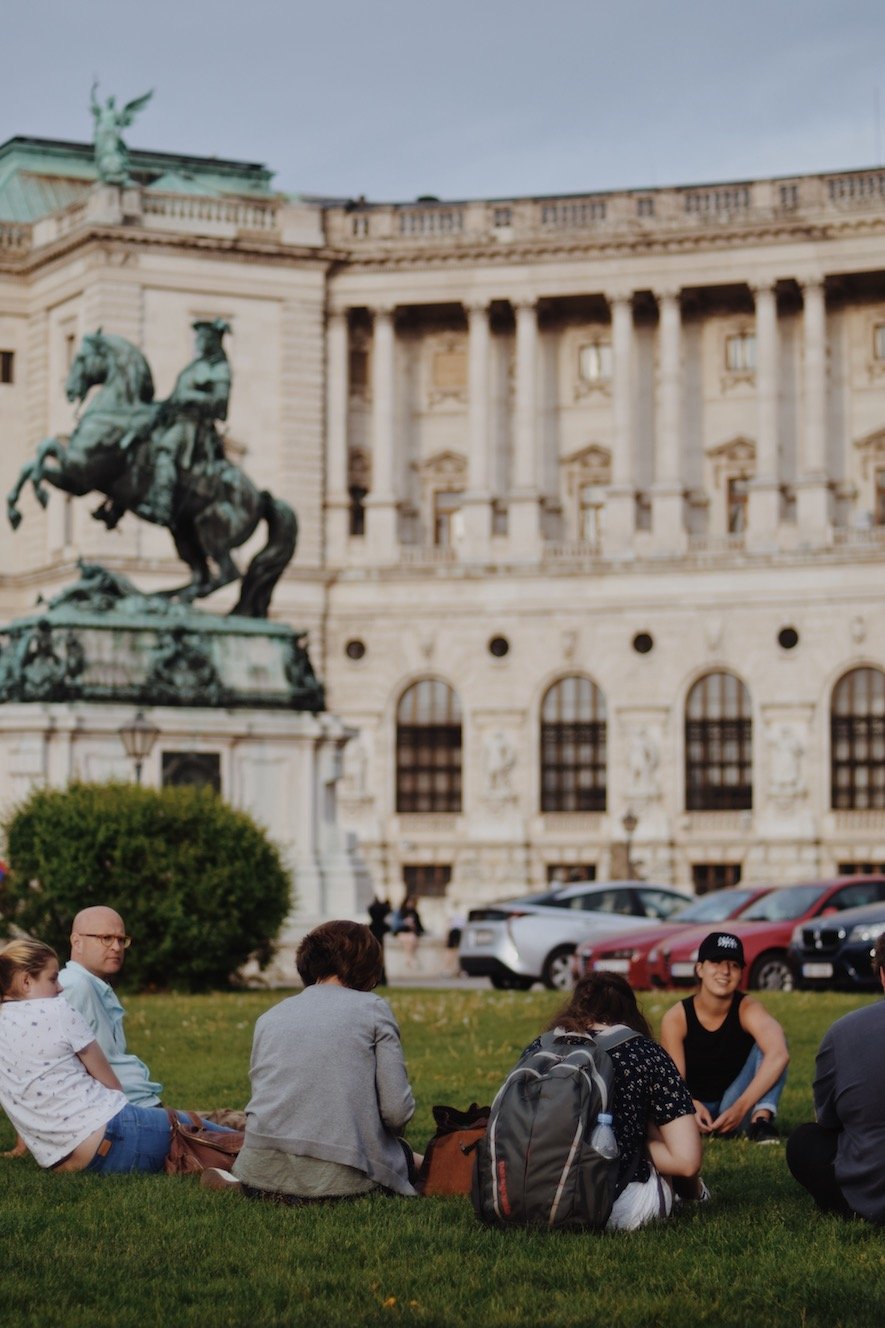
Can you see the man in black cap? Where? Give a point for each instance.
(840, 1158)
(729, 1050)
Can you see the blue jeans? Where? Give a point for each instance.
(768, 1101)
(139, 1140)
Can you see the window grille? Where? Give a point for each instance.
(428, 748)
(857, 741)
(573, 747)
(718, 745)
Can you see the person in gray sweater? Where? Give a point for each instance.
(840, 1157)
(330, 1092)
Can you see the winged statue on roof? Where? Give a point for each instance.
(111, 153)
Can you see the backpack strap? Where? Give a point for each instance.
(616, 1038)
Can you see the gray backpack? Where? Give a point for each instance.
(537, 1165)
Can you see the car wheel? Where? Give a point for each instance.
(512, 982)
(771, 972)
(557, 971)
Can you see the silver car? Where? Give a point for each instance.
(517, 942)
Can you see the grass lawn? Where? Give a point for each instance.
(134, 1252)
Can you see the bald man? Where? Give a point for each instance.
(98, 948)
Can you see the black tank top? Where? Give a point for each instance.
(714, 1060)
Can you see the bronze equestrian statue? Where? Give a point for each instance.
(165, 461)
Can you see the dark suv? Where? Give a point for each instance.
(837, 952)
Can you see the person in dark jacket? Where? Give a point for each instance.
(840, 1157)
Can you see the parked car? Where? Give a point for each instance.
(517, 942)
(837, 951)
(766, 929)
(631, 953)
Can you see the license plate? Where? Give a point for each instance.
(482, 936)
(817, 970)
(680, 970)
(611, 966)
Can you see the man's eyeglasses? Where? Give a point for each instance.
(107, 941)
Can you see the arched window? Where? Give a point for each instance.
(718, 745)
(428, 748)
(573, 747)
(857, 740)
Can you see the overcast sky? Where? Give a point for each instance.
(465, 98)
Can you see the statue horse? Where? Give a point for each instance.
(216, 506)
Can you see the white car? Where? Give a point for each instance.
(517, 942)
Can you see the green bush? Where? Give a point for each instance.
(200, 886)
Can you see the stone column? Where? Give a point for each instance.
(524, 511)
(763, 512)
(478, 499)
(337, 389)
(381, 503)
(668, 523)
(620, 504)
(812, 489)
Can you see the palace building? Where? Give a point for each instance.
(591, 494)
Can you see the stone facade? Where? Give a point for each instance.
(637, 438)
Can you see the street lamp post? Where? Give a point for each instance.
(138, 738)
(629, 821)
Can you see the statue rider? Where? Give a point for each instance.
(183, 430)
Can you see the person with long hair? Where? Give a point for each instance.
(653, 1115)
(56, 1085)
(330, 1092)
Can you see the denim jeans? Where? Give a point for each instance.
(768, 1101)
(139, 1139)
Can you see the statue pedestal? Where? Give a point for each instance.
(236, 704)
(281, 767)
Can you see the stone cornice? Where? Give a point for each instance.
(407, 256)
(239, 247)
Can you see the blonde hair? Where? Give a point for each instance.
(23, 956)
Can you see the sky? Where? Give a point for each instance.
(465, 98)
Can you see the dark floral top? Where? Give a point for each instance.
(647, 1087)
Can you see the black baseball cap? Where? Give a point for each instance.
(721, 945)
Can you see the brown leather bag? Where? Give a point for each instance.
(193, 1148)
(450, 1155)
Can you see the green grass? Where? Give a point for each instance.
(134, 1252)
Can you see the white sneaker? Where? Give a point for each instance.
(213, 1178)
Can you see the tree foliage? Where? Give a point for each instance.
(199, 885)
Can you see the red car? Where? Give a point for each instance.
(765, 929)
(631, 953)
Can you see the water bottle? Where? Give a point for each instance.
(603, 1138)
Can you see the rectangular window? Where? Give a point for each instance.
(360, 225)
(200, 768)
(427, 880)
(502, 216)
(357, 510)
(595, 362)
(861, 869)
(447, 518)
(736, 502)
(7, 366)
(879, 499)
(879, 341)
(707, 876)
(740, 352)
(645, 207)
(358, 369)
(571, 873)
(592, 506)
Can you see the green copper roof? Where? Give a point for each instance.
(39, 176)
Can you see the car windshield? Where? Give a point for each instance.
(714, 907)
(784, 904)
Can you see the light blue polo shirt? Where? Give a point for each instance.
(97, 1003)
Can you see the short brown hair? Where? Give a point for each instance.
(344, 950)
(879, 954)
